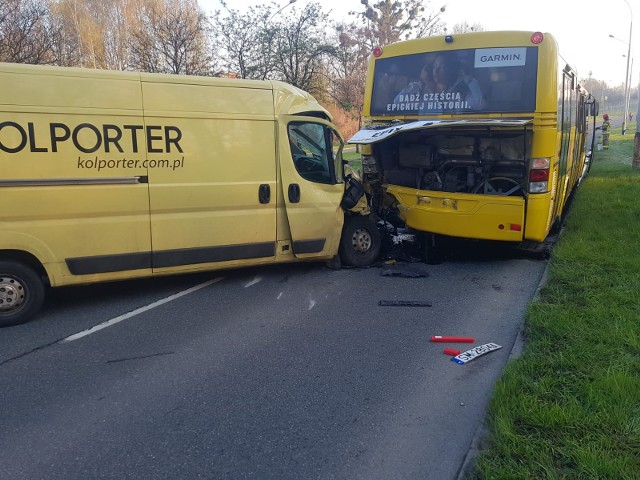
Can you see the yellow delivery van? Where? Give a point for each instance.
(119, 175)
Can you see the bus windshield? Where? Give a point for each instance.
(499, 80)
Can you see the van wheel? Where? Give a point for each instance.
(360, 241)
(21, 293)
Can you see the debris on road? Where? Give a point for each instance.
(451, 351)
(475, 352)
(404, 303)
(441, 338)
(406, 270)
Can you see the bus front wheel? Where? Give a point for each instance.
(21, 293)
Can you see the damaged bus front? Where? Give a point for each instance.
(478, 136)
(456, 178)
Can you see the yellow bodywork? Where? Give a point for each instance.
(488, 217)
(112, 175)
(528, 217)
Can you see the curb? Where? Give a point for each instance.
(516, 351)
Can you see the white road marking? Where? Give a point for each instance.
(257, 279)
(137, 311)
(280, 296)
(312, 303)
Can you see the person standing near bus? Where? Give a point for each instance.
(605, 128)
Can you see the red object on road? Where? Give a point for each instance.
(451, 351)
(440, 338)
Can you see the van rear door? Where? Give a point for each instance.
(71, 177)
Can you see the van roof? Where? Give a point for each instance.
(287, 99)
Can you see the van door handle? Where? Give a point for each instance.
(264, 193)
(294, 193)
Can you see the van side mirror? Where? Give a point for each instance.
(352, 194)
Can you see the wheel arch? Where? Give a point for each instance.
(28, 259)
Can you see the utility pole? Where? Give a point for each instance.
(627, 83)
(635, 164)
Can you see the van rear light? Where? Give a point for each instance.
(539, 175)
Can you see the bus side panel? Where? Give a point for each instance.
(482, 217)
(538, 217)
(541, 207)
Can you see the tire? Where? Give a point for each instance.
(360, 241)
(21, 293)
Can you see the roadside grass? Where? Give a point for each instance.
(351, 156)
(569, 407)
(354, 159)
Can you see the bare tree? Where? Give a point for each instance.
(239, 34)
(26, 34)
(260, 45)
(464, 27)
(84, 24)
(116, 17)
(248, 40)
(67, 47)
(170, 36)
(347, 69)
(93, 33)
(388, 21)
(301, 47)
(6, 10)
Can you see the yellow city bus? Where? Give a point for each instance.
(478, 135)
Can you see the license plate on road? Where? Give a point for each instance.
(475, 352)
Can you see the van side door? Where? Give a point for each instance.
(212, 176)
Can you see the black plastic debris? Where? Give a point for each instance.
(406, 270)
(399, 244)
(404, 303)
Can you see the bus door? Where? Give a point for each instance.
(313, 187)
(579, 146)
(564, 127)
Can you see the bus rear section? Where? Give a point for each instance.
(477, 135)
(473, 179)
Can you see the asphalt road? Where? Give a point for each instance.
(291, 372)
